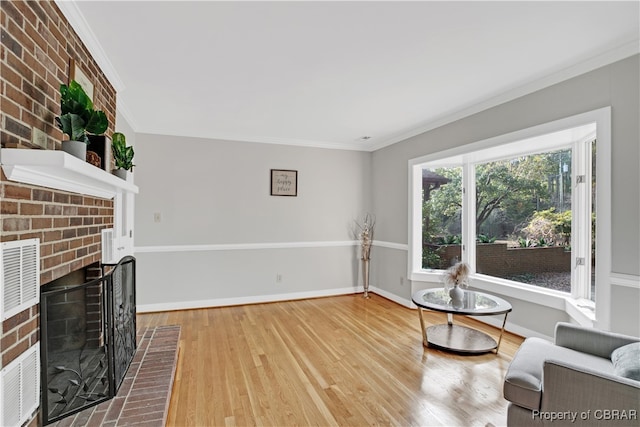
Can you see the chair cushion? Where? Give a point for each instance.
(523, 382)
(626, 361)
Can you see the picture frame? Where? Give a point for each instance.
(76, 73)
(284, 182)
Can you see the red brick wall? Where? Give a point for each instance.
(37, 44)
(69, 227)
(495, 259)
(36, 47)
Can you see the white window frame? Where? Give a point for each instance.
(575, 305)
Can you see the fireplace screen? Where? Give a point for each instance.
(88, 339)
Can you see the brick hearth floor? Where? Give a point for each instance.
(143, 398)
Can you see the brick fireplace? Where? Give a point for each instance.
(36, 49)
(69, 227)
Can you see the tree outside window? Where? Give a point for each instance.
(523, 217)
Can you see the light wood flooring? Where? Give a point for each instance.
(336, 361)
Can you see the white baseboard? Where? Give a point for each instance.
(388, 295)
(511, 327)
(223, 302)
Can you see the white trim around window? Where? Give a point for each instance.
(504, 146)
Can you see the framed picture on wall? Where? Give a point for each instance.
(79, 76)
(284, 182)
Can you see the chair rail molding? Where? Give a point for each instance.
(627, 280)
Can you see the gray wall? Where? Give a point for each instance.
(616, 85)
(218, 193)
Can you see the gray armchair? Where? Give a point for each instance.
(584, 378)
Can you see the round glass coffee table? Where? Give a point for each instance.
(458, 338)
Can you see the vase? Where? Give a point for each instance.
(365, 277)
(120, 173)
(457, 296)
(76, 149)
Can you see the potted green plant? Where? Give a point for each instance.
(122, 154)
(78, 119)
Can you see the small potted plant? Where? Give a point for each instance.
(78, 119)
(122, 155)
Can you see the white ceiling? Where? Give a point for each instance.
(328, 73)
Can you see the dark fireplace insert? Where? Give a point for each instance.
(87, 338)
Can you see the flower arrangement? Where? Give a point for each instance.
(457, 275)
(366, 239)
(366, 236)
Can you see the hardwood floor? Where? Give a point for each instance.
(337, 361)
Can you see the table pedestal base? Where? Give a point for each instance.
(459, 339)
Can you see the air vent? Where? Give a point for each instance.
(20, 388)
(108, 246)
(19, 276)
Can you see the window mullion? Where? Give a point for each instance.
(469, 215)
(581, 221)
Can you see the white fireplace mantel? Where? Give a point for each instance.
(61, 171)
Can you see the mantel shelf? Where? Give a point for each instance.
(61, 171)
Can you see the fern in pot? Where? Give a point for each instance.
(122, 155)
(78, 119)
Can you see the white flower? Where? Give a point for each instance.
(456, 275)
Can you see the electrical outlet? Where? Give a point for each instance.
(157, 217)
(278, 278)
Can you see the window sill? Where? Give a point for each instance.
(580, 310)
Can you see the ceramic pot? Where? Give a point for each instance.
(76, 149)
(120, 173)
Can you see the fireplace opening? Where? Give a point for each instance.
(88, 337)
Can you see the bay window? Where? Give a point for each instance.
(521, 210)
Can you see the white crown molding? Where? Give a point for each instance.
(624, 51)
(354, 146)
(76, 19)
(126, 114)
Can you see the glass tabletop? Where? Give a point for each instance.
(473, 303)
